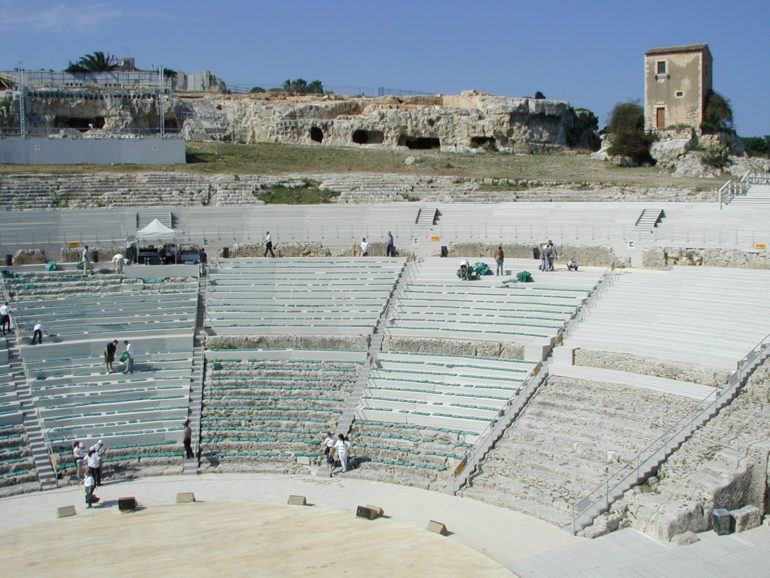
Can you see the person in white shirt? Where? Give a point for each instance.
(77, 453)
(364, 248)
(37, 332)
(342, 446)
(86, 260)
(120, 262)
(129, 353)
(328, 446)
(94, 463)
(5, 318)
(89, 484)
(269, 245)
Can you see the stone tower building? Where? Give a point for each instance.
(677, 82)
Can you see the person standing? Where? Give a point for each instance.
(94, 463)
(342, 446)
(128, 353)
(204, 259)
(109, 354)
(390, 250)
(328, 446)
(120, 261)
(85, 258)
(269, 245)
(37, 332)
(553, 256)
(5, 318)
(77, 454)
(187, 440)
(499, 259)
(364, 247)
(89, 484)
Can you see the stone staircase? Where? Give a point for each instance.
(196, 378)
(757, 195)
(649, 219)
(31, 417)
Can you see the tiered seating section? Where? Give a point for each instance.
(436, 304)
(299, 296)
(572, 435)
(269, 410)
(138, 415)
(420, 413)
(702, 316)
(17, 467)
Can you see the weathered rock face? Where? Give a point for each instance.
(470, 120)
(462, 122)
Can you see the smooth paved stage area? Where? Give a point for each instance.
(243, 527)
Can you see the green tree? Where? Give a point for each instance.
(539, 95)
(718, 114)
(755, 146)
(96, 62)
(301, 86)
(257, 89)
(626, 129)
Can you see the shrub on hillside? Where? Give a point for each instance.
(716, 156)
(718, 115)
(755, 146)
(626, 130)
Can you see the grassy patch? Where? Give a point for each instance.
(281, 159)
(306, 194)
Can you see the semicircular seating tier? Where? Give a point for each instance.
(313, 296)
(269, 409)
(138, 415)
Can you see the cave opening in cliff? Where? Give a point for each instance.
(316, 134)
(81, 124)
(361, 136)
(171, 124)
(484, 142)
(419, 142)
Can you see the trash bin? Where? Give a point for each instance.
(723, 521)
(444, 251)
(8, 260)
(226, 252)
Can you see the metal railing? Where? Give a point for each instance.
(731, 188)
(495, 430)
(645, 462)
(14, 236)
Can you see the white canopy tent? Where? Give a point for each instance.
(155, 230)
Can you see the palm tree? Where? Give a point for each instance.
(96, 62)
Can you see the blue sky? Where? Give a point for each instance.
(588, 53)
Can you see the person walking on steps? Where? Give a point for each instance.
(269, 244)
(342, 446)
(5, 318)
(187, 440)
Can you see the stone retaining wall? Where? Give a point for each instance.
(659, 258)
(356, 342)
(491, 349)
(598, 256)
(643, 366)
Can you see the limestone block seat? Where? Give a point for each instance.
(410, 454)
(594, 427)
